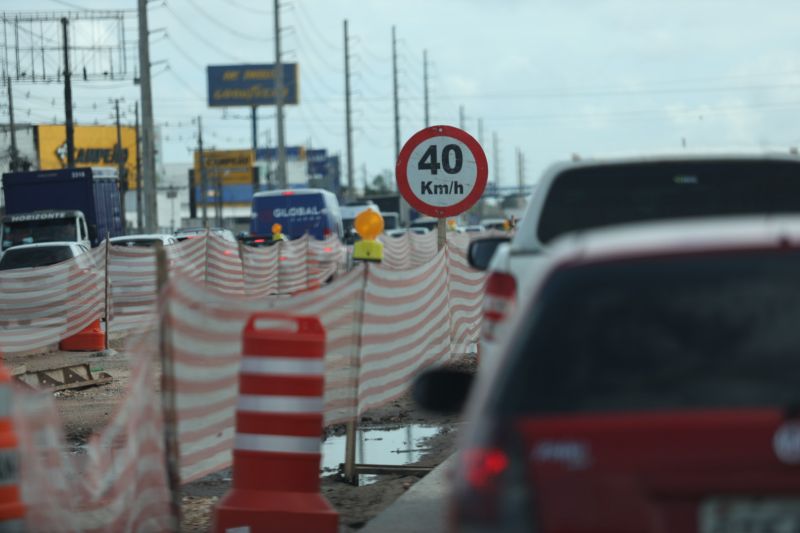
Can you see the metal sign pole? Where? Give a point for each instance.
(108, 320)
(441, 233)
(350, 474)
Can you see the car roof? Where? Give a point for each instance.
(526, 235)
(685, 236)
(263, 194)
(48, 244)
(142, 236)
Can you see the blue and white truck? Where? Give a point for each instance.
(60, 205)
(298, 211)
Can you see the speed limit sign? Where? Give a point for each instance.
(441, 171)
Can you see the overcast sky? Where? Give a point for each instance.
(552, 78)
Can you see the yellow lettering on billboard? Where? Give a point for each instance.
(95, 146)
(228, 167)
(260, 74)
(230, 75)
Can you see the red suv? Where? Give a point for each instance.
(651, 383)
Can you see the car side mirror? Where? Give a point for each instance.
(480, 251)
(442, 390)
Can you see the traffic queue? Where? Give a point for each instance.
(639, 360)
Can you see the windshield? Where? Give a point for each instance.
(34, 257)
(600, 196)
(33, 231)
(678, 333)
(149, 243)
(429, 224)
(390, 221)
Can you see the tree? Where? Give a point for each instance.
(381, 184)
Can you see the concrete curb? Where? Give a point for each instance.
(420, 510)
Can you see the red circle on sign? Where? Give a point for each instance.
(482, 171)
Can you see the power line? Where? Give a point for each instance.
(304, 14)
(187, 56)
(248, 8)
(320, 57)
(233, 31)
(201, 38)
(191, 89)
(70, 4)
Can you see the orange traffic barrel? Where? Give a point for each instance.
(12, 510)
(90, 339)
(279, 417)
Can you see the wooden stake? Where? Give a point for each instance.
(168, 406)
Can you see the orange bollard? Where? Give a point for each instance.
(12, 510)
(276, 456)
(90, 339)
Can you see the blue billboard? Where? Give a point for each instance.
(293, 153)
(250, 85)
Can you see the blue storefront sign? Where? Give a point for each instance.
(250, 85)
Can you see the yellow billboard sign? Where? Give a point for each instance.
(95, 146)
(226, 167)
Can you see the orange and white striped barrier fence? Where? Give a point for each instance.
(276, 455)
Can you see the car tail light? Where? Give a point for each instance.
(483, 466)
(259, 241)
(327, 249)
(498, 302)
(287, 193)
(282, 258)
(228, 252)
(493, 491)
(326, 232)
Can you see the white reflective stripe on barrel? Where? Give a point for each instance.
(276, 443)
(282, 366)
(280, 404)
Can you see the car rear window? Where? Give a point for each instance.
(148, 243)
(599, 196)
(34, 257)
(670, 333)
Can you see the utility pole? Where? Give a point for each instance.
(123, 179)
(279, 99)
(68, 96)
(480, 131)
(14, 153)
(496, 152)
(461, 117)
(520, 179)
(203, 173)
(351, 186)
(269, 177)
(139, 205)
(255, 147)
(404, 208)
(148, 128)
(425, 86)
(396, 99)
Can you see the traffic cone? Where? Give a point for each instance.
(90, 339)
(12, 510)
(276, 456)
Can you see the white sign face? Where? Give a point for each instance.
(441, 171)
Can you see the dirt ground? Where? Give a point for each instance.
(88, 410)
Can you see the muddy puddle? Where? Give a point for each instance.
(395, 445)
